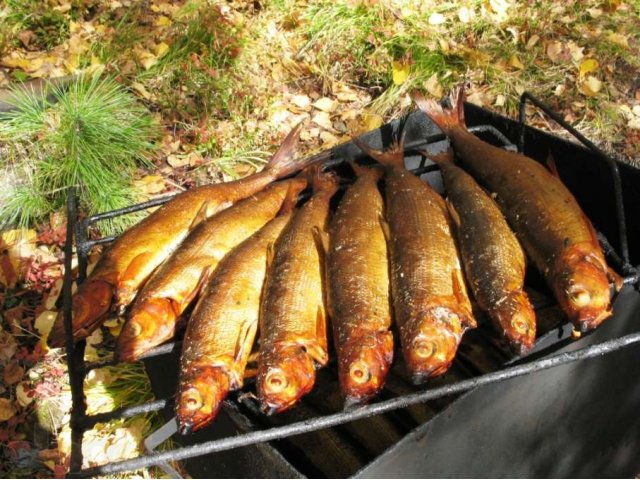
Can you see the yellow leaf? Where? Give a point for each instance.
(515, 62)
(150, 184)
(161, 49)
(432, 85)
(147, 59)
(7, 410)
(587, 66)
(618, 39)
(372, 121)
(162, 21)
(400, 72)
(590, 86)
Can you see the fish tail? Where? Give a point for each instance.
(393, 156)
(296, 185)
(89, 306)
(284, 162)
(442, 158)
(321, 181)
(362, 171)
(444, 118)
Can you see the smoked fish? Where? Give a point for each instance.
(293, 319)
(130, 260)
(222, 329)
(493, 259)
(154, 314)
(358, 289)
(553, 229)
(431, 306)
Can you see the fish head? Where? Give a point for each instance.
(201, 392)
(517, 320)
(363, 364)
(430, 341)
(150, 323)
(284, 376)
(581, 286)
(89, 307)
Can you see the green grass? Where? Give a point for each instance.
(49, 26)
(92, 136)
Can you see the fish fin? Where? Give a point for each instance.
(453, 213)
(321, 239)
(361, 170)
(460, 292)
(136, 264)
(393, 156)
(270, 254)
(202, 281)
(245, 341)
(440, 158)
(321, 181)
(551, 164)
(385, 229)
(444, 118)
(296, 185)
(283, 162)
(318, 348)
(614, 278)
(201, 216)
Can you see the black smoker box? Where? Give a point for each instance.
(568, 409)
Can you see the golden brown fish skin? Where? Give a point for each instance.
(153, 316)
(431, 306)
(222, 329)
(545, 216)
(131, 259)
(358, 288)
(293, 335)
(493, 259)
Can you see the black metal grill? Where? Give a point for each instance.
(401, 406)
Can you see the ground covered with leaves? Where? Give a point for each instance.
(222, 82)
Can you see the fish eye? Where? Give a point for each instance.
(276, 381)
(519, 324)
(134, 329)
(579, 297)
(425, 348)
(359, 372)
(192, 399)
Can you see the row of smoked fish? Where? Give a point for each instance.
(259, 262)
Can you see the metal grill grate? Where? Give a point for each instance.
(264, 431)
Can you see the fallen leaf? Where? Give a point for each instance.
(7, 410)
(322, 119)
(532, 41)
(433, 87)
(303, 102)
(150, 184)
(466, 14)
(500, 100)
(162, 21)
(13, 373)
(595, 12)
(161, 49)
(400, 72)
(560, 89)
(515, 62)
(325, 104)
(436, 19)
(618, 39)
(557, 52)
(575, 51)
(24, 395)
(177, 161)
(372, 121)
(588, 66)
(328, 139)
(590, 86)
(634, 123)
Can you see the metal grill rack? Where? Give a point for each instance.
(256, 432)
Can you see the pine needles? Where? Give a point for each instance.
(92, 135)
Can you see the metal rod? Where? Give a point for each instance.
(75, 352)
(133, 208)
(327, 421)
(613, 166)
(125, 412)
